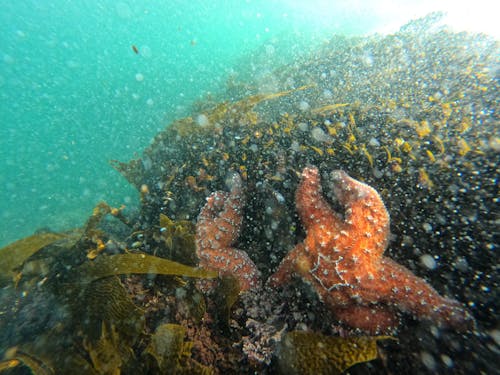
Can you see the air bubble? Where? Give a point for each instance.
(428, 261)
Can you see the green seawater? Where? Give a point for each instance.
(74, 94)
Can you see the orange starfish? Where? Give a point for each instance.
(218, 227)
(342, 257)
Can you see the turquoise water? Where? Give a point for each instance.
(75, 95)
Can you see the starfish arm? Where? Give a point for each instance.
(219, 221)
(232, 262)
(218, 227)
(366, 218)
(288, 267)
(207, 227)
(414, 295)
(313, 209)
(373, 319)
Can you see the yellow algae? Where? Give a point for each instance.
(422, 128)
(406, 147)
(367, 154)
(431, 156)
(332, 130)
(8, 364)
(329, 108)
(317, 150)
(424, 180)
(463, 147)
(439, 143)
(464, 125)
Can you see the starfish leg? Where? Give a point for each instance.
(366, 218)
(313, 209)
(288, 267)
(232, 262)
(373, 319)
(218, 227)
(219, 222)
(414, 295)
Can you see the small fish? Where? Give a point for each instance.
(135, 49)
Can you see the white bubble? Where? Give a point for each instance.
(139, 77)
(146, 51)
(495, 335)
(72, 64)
(123, 10)
(269, 49)
(202, 120)
(303, 126)
(427, 227)
(8, 59)
(428, 261)
(327, 94)
(448, 362)
(319, 135)
(303, 105)
(150, 102)
(428, 360)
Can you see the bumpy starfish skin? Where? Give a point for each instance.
(218, 227)
(342, 257)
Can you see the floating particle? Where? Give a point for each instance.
(202, 120)
(303, 126)
(304, 106)
(427, 227)
(448, 362)
(139, 77)
(428, 361)
(319, 135)
(428, 261)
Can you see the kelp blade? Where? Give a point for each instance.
(140, 264)
(313, 353)
(14, 254)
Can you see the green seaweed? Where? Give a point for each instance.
(313, 353)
